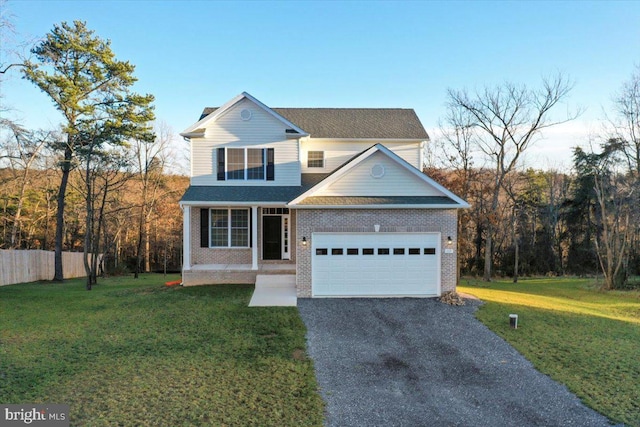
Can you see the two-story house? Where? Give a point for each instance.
(334, 197)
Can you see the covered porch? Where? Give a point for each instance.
(238, 239)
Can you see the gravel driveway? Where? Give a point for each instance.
(418, 362)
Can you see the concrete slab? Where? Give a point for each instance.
(274, 290)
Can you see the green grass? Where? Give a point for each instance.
(134, 352)
(584, 338)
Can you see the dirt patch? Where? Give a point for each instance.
(299, 354)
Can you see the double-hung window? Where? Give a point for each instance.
(245, 164)
(229, 228)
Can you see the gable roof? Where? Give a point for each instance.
(310, 199)
(351, 123)
(197, 129)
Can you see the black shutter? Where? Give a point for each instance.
(270, 167)
(221, 174)
(204, 228)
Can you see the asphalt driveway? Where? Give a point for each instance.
(418, 362)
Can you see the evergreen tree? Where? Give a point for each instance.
(92, 90)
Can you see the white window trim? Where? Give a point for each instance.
(246, 163)
(229, 229)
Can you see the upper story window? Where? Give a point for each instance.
(245, 164)
(315, 159)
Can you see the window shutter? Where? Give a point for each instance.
(204, 228)
(270, 166)
(221, 174)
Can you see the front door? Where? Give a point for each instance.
(271, 237)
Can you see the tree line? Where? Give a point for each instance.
(97, 183)
(100, 183)
(542, 222)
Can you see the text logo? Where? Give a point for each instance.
(37, 415)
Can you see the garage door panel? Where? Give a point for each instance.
(386, 264)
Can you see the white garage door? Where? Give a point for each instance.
(375, 264)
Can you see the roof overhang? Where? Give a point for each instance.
(209, 203)
(373, 141)
(385, 206)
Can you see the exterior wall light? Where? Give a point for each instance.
(449, 240)
(304, 241)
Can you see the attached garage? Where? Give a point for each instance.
(375, 264)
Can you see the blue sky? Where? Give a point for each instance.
(192, 54)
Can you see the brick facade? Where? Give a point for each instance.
(363, 220)
(224, 256)
(304, 222)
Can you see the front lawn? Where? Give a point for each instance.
(581, 337)
(134, 352)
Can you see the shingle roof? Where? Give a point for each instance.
(379, 200)
(237, 193)
(387, 123)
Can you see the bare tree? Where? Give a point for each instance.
(627, 122)
(105, 172)
(21, 151)
(612, 242)
(8, 56)
(151, 161)
(507, 120)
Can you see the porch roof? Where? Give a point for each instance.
(245, 193)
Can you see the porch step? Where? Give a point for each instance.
(275, 281)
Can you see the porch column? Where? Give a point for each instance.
(254, 237)
(186, 238)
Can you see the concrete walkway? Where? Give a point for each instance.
(274, 290)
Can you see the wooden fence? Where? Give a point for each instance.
(33, 265)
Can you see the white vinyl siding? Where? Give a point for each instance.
(395, 181)
(336, 153)
(230, 131)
